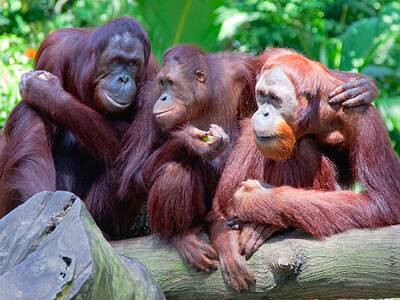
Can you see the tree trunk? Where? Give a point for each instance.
(355, 264)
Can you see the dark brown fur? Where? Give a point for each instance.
(71, 146)
(180, 184)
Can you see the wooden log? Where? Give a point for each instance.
(354, 264)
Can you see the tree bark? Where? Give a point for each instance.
(355, 264)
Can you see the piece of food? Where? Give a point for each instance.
(43, 76)
(207, 139)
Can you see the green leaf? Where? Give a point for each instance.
(232, 20)
(359, 42)
(366, 39)
(378, 71)
(175, 22)
(390, 110)
(207, 139)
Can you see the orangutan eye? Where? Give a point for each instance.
(200, 75)
(117, 61)
(274, 99)
(166, 82)
(261, 93)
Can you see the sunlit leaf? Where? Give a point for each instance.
(178, 21)
(367, 38)
(232, 20)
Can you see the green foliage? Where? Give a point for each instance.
(175, 22)
(360, 35)
(13, 63)
(390, 110)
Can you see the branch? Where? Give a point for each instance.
(355, 264)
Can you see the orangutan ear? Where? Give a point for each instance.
(200, 75)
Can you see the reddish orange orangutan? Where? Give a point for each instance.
(295, 162)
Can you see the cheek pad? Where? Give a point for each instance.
(280, 147)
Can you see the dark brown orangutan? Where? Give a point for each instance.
(195, 91)
(283, 174)
(2, 140)
(194, 94)
(66, 133)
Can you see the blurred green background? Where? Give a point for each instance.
(361, 36)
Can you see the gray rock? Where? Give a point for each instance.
(51, 248)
